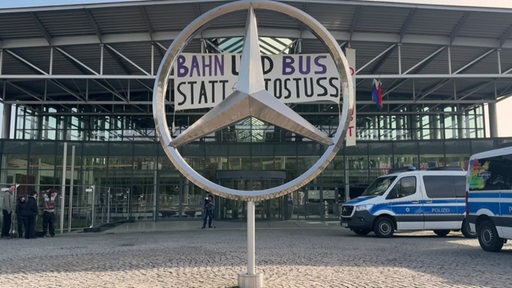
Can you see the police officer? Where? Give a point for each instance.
(208, 207)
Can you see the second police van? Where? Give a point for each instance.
(489, 197)
(411, 200)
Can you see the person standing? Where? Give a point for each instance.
(50, 200)
(29, 212)
(20, 204)
(208, 207)
(7, 210)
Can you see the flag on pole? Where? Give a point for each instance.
(377, 93)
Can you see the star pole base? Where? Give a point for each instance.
(250, 281)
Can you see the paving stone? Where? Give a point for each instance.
(289, 254)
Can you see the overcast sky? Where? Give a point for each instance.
(479, 3)
(33, 3)
(504, 107)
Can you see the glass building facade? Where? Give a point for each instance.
(116, 170)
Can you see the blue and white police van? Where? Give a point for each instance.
(407, 201)
(489, 197)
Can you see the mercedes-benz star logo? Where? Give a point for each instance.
(250, 99)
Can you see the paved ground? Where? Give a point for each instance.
(289, 254)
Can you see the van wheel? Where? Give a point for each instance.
(362, 232)
(466, 231)
(441, 233)
(488, 237)
(384, 227)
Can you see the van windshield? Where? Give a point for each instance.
(379, 186)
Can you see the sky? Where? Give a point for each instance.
(35, 3)
(479, 3)
(503, 108)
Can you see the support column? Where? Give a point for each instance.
(493, 120)
(460, 124)
(413, 128)
(251, 279)
(63, 187)
(6, 121)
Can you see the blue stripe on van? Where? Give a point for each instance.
(507, 194)
(441, 201)
(484, 194)
(423, 207)
(475, 206)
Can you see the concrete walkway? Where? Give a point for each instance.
(191, 225)
(288, 253)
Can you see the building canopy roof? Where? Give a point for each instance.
(106, 55)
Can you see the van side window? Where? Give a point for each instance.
(491, 173)
(445, 186)
(404, 187)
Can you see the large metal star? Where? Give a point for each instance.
(250, 99)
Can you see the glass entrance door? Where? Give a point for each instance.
(179, 199)
(273, 209)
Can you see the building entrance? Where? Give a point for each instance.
(273, 209)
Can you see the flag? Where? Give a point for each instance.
(377, 93)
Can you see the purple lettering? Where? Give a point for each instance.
(194, 66)
(319, 64)
(219, 65)
(288, 68)
(207, 65)
(304, 65)
(182, 69)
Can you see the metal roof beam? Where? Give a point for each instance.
(26, 91)
(473, 90)
(425, 60)
(353, 25)
(269, 46)
(358, 76)
(112, 91)
(433, 88)
(471, 63)
(25, 61)
(458, 26)
(364, 102)
(127, 60)
(211, 45)
(399, 82)
(94, 24)
(385, 52)
(66, 89)
(42, 28)
(432, 76)
(291, 33)
(311, 2)
(406, 23)
(76, 60)
(285, 46)
(506, 35)
(147, 21)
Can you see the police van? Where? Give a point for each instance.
(411, 200)
(489, 197)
